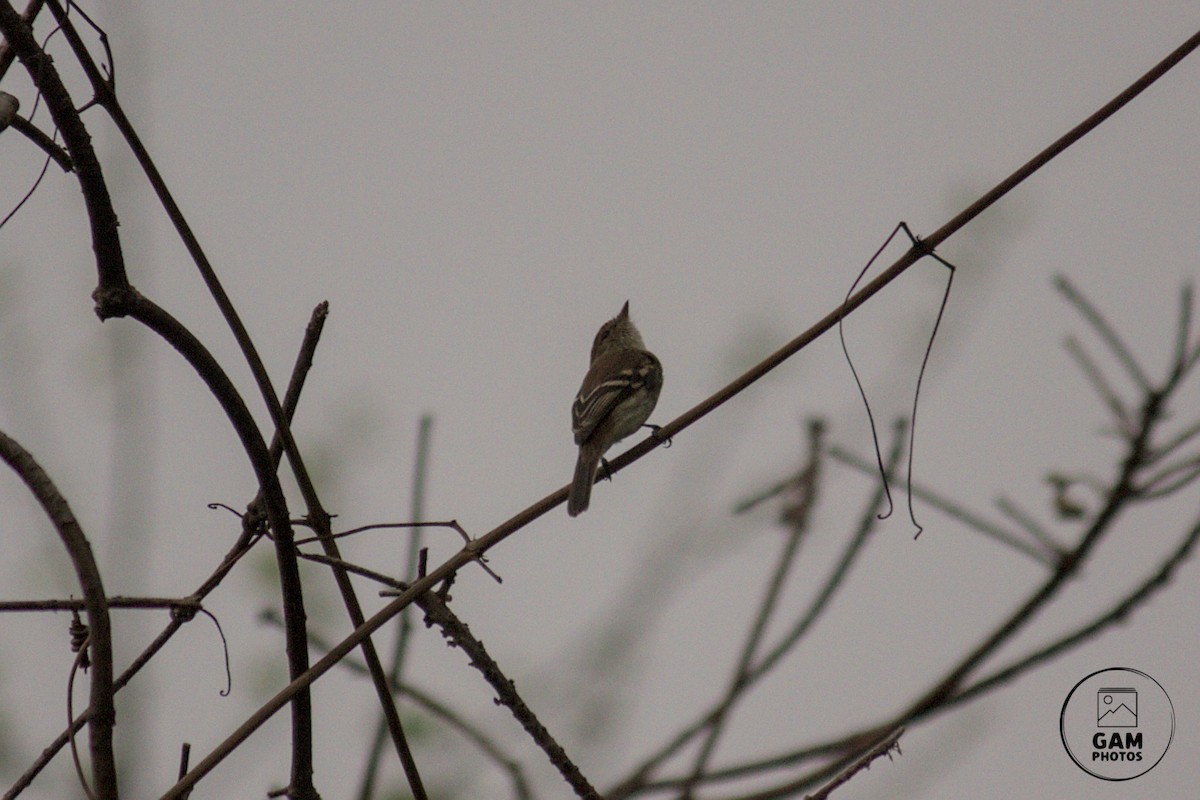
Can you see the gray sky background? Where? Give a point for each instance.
(475, 189)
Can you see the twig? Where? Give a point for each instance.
(457, 633)
(1010, 509)
(1100, 385)
(396, 670)
(185, 753)
(384, 526)
(883, 748)
(1170, 479)
(798, 524)
(436, 708)
(80, 657)
(1177, 441)
(43, 142)
(191, 604)
(1105, 331)
(1183, 333)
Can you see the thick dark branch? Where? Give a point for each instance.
(110, 262)
(104, 715)
(6, 53)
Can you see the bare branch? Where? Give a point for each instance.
(6, 53)
(797, 518)
(104, 768)
(43, 142)
(884, 748)
(188, 604)
(1106, 332)
(457, 633)
(1010, 509)
(396, 671)
(1100, 385)
(435, 708)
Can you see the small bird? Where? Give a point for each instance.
(617, 396)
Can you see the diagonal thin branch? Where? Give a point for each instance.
(914, 253)
(798, 524)
(395, 673)
(887, 743)
(457, 633)
(1100, 385)
(1105, 331)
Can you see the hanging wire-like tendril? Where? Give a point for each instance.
(925, 250)
(80, 657)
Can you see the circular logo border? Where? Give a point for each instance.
(1063, 716)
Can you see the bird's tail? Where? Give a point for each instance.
(581, 484)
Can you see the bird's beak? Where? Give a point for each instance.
(624, 310)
